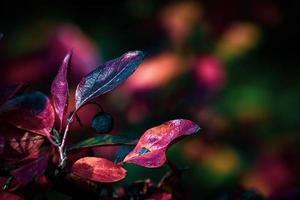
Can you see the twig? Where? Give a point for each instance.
(78, 119)
(61, 147)
(7, 183)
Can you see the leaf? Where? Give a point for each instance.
(122, 153)
(151, 148)
(7, 92)
(18, 143)
(32, 112)
(27, 172)
(98, 169)
(107, 76)
(24, 144)
(60, 89)
(102, 122)
(102, 140)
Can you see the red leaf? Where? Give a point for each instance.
(98, 169)
(60, 89)
(27, 172)
(9, 196)
(25, 144)
(151, 148)
(19, 143)
(161, 196)
(32, 112)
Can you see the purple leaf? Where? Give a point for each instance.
(150, 150)
(32, 112)
(60, 89)
(27, 172)
(107, 76)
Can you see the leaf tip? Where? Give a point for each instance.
(134, 54)
(67, 58)
(197, 128)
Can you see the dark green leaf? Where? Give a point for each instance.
(122, 153)
(103, 140)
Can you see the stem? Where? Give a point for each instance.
(52, 141)
(61, 147)
(7, 183)
(97, 104)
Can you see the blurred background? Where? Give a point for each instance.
(231, 66)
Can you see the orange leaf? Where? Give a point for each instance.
(98, 169)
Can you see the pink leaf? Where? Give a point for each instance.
(98, 169)
(60, 89)
(36, 168)
(32, 112)
(151, 148)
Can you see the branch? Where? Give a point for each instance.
(61, 147)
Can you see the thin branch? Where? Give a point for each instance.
(78, 120)
(97, 104)
(61, 147)
(94, 103)
(7, 183)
